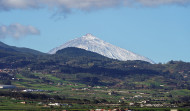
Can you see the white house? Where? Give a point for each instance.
(54, 104)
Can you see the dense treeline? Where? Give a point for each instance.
(48, 98)
(27, 95)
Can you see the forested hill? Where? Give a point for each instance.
(73, 52)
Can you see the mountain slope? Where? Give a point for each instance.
(6, 50)
(91, 43)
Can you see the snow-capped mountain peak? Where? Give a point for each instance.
(89, 37)
(94, 44)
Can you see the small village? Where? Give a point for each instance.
(143, 100)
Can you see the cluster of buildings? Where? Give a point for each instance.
(7, 70)
(7, 86)
(32, 90)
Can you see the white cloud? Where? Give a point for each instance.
(162, 2)
(17, 31)
(84, 5)
(18, 4)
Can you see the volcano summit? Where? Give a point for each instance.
(94, 44)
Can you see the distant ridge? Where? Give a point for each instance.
(6, 50)
(94, 44)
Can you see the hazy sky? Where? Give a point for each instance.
(157, 29)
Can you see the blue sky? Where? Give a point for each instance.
(157, 29)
